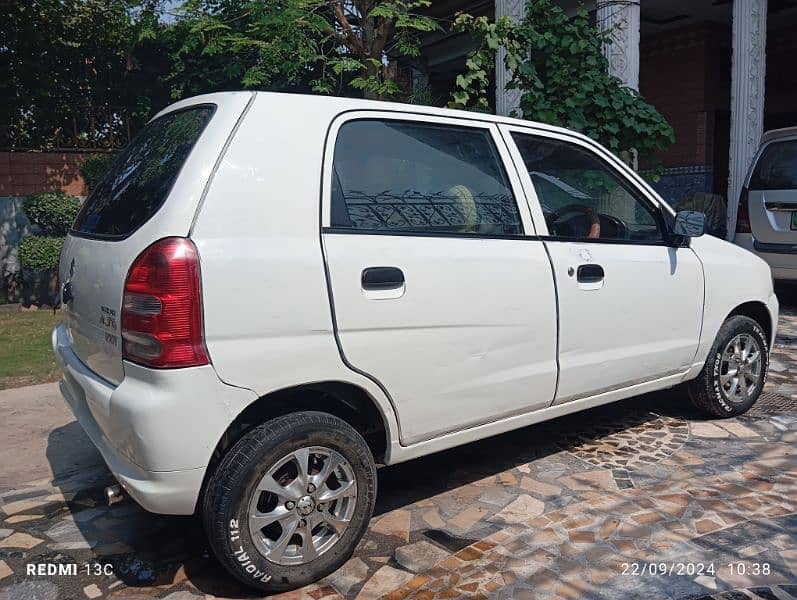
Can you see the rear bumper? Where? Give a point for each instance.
(156, 430)
(781, 258)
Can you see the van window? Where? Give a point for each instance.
(582, 197)
(404, 176)
(777, 167)
(142, 175)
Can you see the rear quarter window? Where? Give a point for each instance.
(776, 168)
(142, 176)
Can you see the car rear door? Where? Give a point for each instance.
(630, 304)
(772, 195)
(440, 291)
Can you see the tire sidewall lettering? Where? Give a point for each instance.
(715, 387)
(244, 560)
(715, 381)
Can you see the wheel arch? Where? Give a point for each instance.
(342, 399)
(758, 312)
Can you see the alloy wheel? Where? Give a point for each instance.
(302, 505)
(740, 368)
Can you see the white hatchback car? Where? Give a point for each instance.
(767, 217)
(269, 294)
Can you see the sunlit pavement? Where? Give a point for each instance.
(638, 499)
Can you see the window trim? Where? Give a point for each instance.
(611, 162)
(118, 238)
(427, 234)
(527, 231)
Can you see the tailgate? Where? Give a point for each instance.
(150, 192)
(772, 195)
(93, 274)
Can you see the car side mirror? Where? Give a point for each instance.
(689, 223)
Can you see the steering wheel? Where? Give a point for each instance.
(595, 223)
(613, 227)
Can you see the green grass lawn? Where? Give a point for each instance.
(26, 356)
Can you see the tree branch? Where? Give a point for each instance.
(383, 32)
(354, 43)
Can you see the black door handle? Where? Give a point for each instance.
(589, 273)
(382, 278)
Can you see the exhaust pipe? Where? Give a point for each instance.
(114, 494)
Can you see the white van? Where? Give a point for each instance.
(270, 294)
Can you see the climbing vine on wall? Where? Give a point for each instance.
(557, 64)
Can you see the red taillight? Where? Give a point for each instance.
(162, 307)
(743, 214)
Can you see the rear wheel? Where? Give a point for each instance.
(290, 500)
(735, 370)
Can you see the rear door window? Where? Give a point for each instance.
(777, 167)
(407, 176)
(142, 176)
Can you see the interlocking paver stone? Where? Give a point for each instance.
(419, 556)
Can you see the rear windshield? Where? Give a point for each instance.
(142, 176)
(777, 167)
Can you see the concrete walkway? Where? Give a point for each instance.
(40, 438)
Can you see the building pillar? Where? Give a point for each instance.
(506, 101)
(621, 19)
(747, 95)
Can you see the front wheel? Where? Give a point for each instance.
(288, 503)
(735, 370)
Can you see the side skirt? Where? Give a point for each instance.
(399, 453)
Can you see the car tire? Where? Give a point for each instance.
(710, 391)
(278, 556)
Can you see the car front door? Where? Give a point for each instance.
(440, 291)
(630, 303)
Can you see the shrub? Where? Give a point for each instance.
(94, 169)
(40, 252)
(53, 212)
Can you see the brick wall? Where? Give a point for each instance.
(24, 173)
(681, 74)
(685, 74)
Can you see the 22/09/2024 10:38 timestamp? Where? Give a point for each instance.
(696, 568)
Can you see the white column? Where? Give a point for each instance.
(747, 95)
(621, 19)
(506, 100)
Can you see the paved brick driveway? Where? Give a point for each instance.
(637, 499)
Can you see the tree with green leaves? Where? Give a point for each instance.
(62, 62)
(558, 65)
(315, 45)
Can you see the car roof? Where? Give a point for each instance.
(335, 105)
(774, 134)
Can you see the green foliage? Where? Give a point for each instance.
(94, 168)
(77, 73)
(558, 65)
(422, 95)
(53, 212)
(224, 45)
(302, 45)
(40, 252)
(65, 59)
